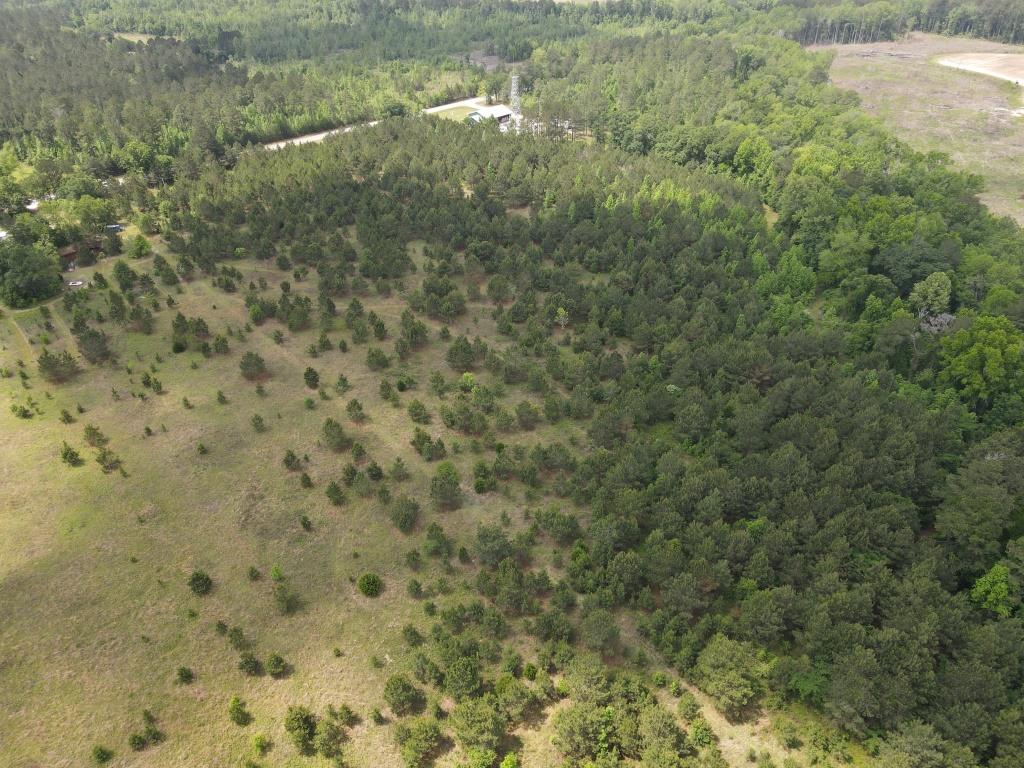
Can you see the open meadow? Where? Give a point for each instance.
(93, 572)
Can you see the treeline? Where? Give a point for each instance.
(385, 29)
(815, 23)
(787, 509)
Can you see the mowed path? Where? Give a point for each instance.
(931, 91)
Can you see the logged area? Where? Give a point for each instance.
(951, 95)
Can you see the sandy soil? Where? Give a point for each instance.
(1005, 66)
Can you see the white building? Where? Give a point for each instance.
(498, 112)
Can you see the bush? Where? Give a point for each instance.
(418, 412)
(335, 494)
(370, 584)
(376, 359)
(444, 487)
(257, 423)
(404, 513)
(101, 754)
(237, 712)
(688, 707)
(185, 676)
(200, 582)
(57, 368)
(287, 601)
(418, 741)
(403, 697)
(261, 744)
(312, 378)
(300, 725)
(355, 411)
(335, 437)
(252, 366)
(328, 739)
(276, 665)
(249, 664)
(70, 456)
(137, 742)
(291, 461)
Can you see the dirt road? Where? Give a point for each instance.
(315, 138)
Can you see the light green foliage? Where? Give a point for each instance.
(729, 671)
(931, 295)
(985, 363)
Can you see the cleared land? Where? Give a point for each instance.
(970, 116)
(1005, 66)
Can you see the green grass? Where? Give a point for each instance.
(94, 566)
(456, 113)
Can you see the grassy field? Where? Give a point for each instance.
(456, 113)
(969, 116)
(93, 567)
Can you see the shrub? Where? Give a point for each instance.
(335, 437)
(291, 461)
(57, 368)
(70, 456)
(94, 437)
(185, 676)
(404, 513)
(249, 664)
(418, 412)
(355, 411)
(252, 366)
(235, 636)
(101, 754)
(300, 725)
(137, 742)
(418, 741)
(403, 697)
(287, 600)
(312, 378)
(237, 712)
(200, 582)
(412, 636)
(376, 359)
(276, 665)
(370, 584)
(261, 744)
(335, 494)
(444, 487)
(328, 739)
(399, 472)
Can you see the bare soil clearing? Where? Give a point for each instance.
(1005, 66)
(957, 109)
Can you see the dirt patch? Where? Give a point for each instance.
(1005, 66)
